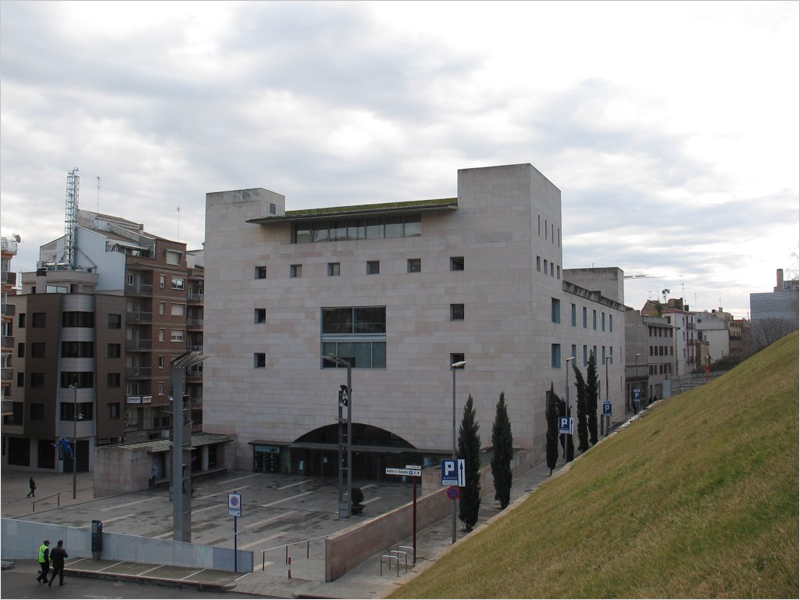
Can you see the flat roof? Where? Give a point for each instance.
(364, 210)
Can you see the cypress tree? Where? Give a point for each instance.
(592, 388)
(469, 448)
(583, 429)
(551, 414)
(502, 453)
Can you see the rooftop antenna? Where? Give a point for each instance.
(98, 194)
(71, 216)
(179, 223)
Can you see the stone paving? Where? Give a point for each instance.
(278, 510)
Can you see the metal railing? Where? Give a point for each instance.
(286, 546)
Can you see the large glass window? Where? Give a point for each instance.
(357, 229)
(355, 335)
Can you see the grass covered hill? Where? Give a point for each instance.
(696, 499)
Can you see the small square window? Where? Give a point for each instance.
(273, 208)
(259, 360)
(261, 315)
(113, 410)
(373, 267)
(162, 308)
(162, 281)
(456, 263)
(161, 361)
(178, 283)
(456, 312)
(261, 272)
(114, 350)
(414, 265)
(176, 335)
(334, 269)
(295, 271)
(113, 380)
(115, 321)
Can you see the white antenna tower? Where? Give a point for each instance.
(179, 223)
(71, 216)
(98, 194)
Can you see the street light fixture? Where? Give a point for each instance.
(566, 395)
(607, 423)
(455, 367)
(345, 400)
(74, 389)
(636, 383)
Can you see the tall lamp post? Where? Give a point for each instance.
(455, 367)
(566, 395)
(636, 383)
(74, 389)
(345, 401)
(607, 424)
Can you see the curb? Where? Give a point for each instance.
(143, 579)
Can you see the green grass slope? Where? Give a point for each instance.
(697, 499)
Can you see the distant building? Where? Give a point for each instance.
(774, 314)
(95, 337)
(401, 291)
(650, 356)
(714, 327)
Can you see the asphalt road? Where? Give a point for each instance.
(17, 584)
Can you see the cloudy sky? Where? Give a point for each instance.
(670, 128)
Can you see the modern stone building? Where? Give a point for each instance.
(775, 314)
(402, 291)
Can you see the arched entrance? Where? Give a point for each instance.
(374, 449)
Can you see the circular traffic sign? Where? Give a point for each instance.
(453, 492)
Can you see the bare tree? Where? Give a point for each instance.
(768, 331)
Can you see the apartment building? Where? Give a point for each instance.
(9, 250)
(650, 353)
(714, 327)
(401, 291)
(96, 336)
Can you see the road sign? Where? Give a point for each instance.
(637, 394)
(406, 472)
(607, 409)
(453, 493)
(454, 472)
(566, 425)
(234, 505)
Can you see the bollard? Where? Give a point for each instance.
(290, 567)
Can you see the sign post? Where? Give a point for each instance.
(235, 511)
(415, 472)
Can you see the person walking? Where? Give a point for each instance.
(57, 556)
(44, 561)
(32, 485)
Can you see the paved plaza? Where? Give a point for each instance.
(280, 512)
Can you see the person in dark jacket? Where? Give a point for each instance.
(44, 561)
(57, 557)
(32, 485)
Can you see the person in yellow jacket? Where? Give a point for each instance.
(44, 561)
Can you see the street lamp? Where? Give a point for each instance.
(636, 383)
(607, 424)
(566, 390)
(345, 401)
(74, 389)
(454, 367)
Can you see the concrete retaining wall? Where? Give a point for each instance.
(21, 540)
(349, 548)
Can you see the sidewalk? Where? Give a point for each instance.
(366, 581)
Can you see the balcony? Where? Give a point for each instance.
(194, 323)
(8, 341)
(138, 372)
(9, 310)
(10, 278)
(194, 374)
(132, 318)
(8, 375)
(139, 289)
(196, 295)
(144, 345)
(138, 399)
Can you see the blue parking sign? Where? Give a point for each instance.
(566, 425)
